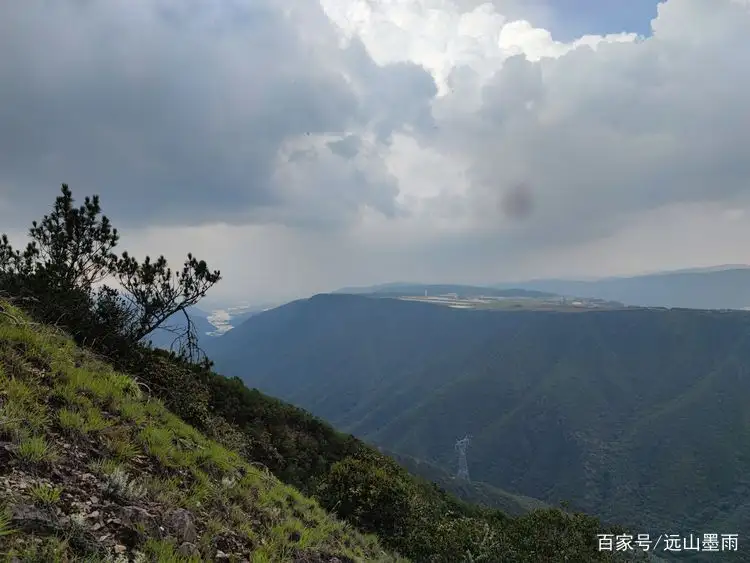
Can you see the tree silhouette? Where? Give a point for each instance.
(71, 252)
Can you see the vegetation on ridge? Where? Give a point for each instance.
(165, 467)
(95, 469)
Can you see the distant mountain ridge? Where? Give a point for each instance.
(724, 286)
(704, 269)
(417, 289)
(717, 287)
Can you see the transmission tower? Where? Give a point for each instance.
(463, 467)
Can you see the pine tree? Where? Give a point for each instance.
(71, 255)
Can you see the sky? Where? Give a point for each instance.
(568, 20)
(308, 145)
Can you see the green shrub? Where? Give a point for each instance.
(46, 494)
(34, 449)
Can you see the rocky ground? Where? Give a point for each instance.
(99, 518)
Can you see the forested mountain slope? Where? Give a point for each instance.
(93, 467)
(638, 415)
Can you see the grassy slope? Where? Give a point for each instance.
(91, 468)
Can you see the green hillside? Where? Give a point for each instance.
(637, 415)
(94, 469)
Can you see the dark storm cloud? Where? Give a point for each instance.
(173, 111)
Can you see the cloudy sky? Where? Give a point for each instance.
(306, 145)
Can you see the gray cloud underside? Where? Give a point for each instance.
(176, 113)
(244, 112)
